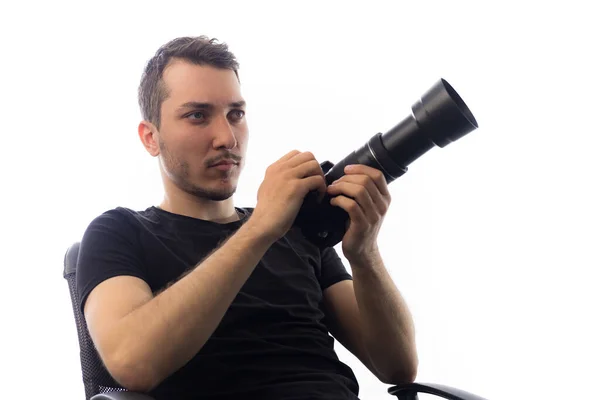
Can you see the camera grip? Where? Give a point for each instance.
(320, 222)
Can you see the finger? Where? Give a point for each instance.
(288, 156)
(351, 207)
(308, 165)
(360, 195)
(314, 182)
(307, 168)
(363, 180)
(322, 188)
(376, 175)
(300, 158)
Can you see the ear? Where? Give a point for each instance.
(149, 136)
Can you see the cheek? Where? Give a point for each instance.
(190, 140)
(242, 137)
(185, 150)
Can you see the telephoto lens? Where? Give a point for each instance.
(438, 118)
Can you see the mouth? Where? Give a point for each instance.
(224, 165)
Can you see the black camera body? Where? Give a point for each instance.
(439, 118)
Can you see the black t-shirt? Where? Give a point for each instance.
(272, 343)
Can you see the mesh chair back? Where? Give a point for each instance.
(96, 378)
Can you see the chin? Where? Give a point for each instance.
(222, 193)
(225, 192)
(212, 194)
(215, 190)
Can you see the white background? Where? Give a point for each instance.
(492, 240)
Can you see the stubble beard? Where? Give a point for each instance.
(179, 172)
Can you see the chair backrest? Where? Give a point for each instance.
(96, 378)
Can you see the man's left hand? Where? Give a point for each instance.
(363, 193)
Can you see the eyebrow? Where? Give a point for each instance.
(208, 106)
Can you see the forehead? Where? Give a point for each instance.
(189, 82)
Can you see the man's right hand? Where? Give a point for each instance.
(281, 194)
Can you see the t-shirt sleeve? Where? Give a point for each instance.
(107, 249)
(332, 268)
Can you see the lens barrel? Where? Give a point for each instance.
(438, 118)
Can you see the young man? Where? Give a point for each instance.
(197, 298)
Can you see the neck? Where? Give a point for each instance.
(191, 206)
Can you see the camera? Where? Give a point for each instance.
(438, 118)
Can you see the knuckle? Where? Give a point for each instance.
(272, 169)
(294, 187)
(382, 208)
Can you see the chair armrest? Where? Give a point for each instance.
(121, 396)
(408, 391)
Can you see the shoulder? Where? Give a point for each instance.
(119, 224)
(110, 246)
(246, 210)
(119, 217)
(115, 233)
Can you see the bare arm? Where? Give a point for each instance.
(369, 317)
(386, 322)
(143, 339)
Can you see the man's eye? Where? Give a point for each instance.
(197, 116)
(238, 114)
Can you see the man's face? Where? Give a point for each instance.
(202, 124)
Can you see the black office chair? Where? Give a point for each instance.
(100, 385)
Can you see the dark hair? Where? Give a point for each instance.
(198, 50)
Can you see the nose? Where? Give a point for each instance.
(224, 136)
